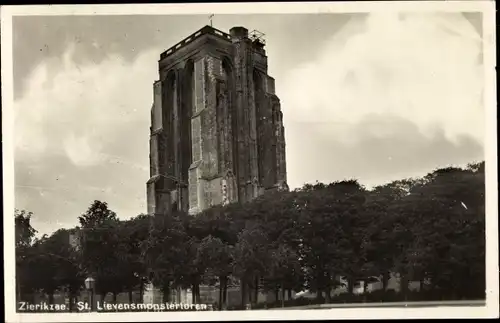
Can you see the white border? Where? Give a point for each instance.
(486, 7)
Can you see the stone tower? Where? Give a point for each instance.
(217, 134)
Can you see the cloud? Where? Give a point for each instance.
(82, 133)
(401, 86)
(75, 109)
(389, 96)
(401, 150)
(422, 67)
(80, 151)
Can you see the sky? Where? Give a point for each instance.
(376, 97)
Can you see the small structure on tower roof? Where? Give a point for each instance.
(257, 37)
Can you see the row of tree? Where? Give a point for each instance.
(430, 229)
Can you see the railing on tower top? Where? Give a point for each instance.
(185, 41)
(257, 36)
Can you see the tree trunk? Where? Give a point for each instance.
(193, 293)
(224, 293)
(115, 294)
(94, 301)
(283, 294)
(404, 286)
(130, 297)
(365, 289)
(221, 291)
(350, 285)
(141, 292)
(328, 295)
(319, 294)
(289, 294)
(277, 294)
(243, 293)
(72, 300)
(256, 290)
(198, 293)
(164, 295)
(385, 280)
(51, 297)
(168, 292)
(70, 303)
(249, 293)
(18, 291)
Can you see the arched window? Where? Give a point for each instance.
(166, 144)
(169, 86)
(227, 75)
(187, 102)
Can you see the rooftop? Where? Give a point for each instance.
(203, 31)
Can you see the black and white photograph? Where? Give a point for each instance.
(249, 161)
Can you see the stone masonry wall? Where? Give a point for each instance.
(196, 136)
(153, 155)
(209, 119)
(235, 129)
(166, 140)
(156, 116)
(253, 189)
(242, 130)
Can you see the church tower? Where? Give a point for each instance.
(217, 133)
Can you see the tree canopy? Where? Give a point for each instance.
(317, 238)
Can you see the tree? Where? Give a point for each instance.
(25, 233)
(351, 235)
(332, 229)
(97, 214)
(449, 231)
(250, 258)
(430, 229)
(58, 265)
(279, 211)
(25, 271)
(164, 253)
(126, 241)
(381, 249)
(73, 275)
(284, 269)
(101, 255)
(192, 270)
(132, 234)
(215, 257)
